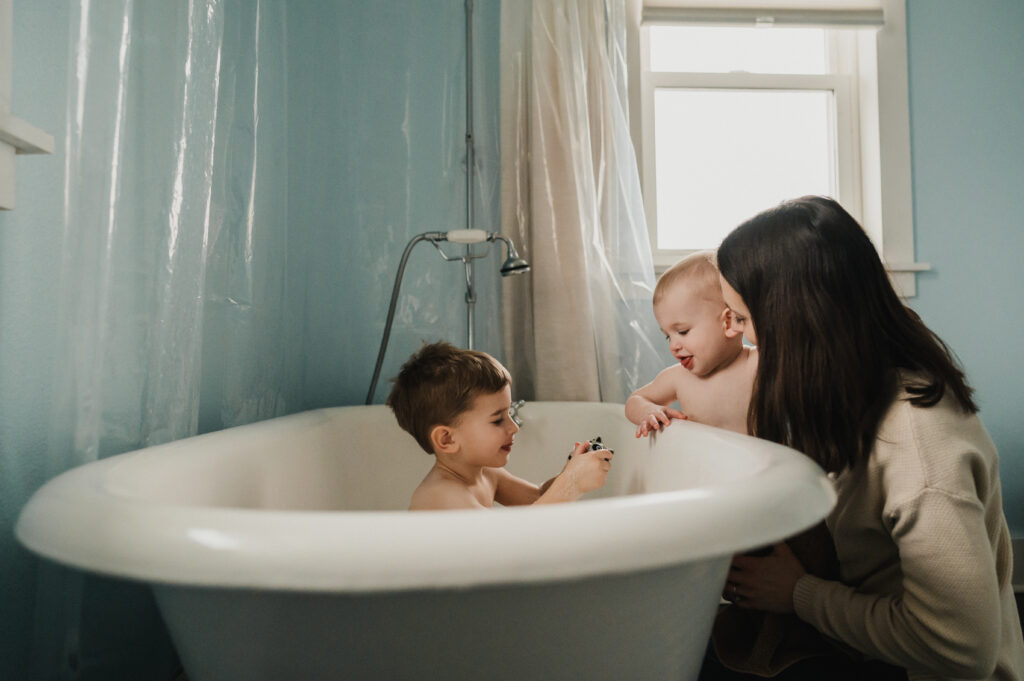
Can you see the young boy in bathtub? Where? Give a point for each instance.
(714, 375)
(456, 404)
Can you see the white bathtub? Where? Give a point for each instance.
(282, 550)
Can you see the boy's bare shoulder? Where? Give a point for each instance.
(440, 492)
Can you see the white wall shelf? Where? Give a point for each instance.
(25, 138)
(16, 136)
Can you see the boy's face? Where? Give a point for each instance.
(694, 326)
(484, 432)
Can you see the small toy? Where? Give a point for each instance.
(596, 444)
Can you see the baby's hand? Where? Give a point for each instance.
(657, 418)
(587, 469)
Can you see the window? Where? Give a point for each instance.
(743, 108)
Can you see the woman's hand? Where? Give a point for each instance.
(657, 418)
(764, 583)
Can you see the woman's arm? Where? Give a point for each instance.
(946, 621)
(947, 618)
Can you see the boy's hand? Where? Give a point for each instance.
(587, 470)
(657, 418)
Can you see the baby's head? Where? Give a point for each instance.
(438, 384)
(692, 314)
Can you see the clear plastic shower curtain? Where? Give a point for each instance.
(173, 254)
(168, 212)
(571, 193)
(241, 178)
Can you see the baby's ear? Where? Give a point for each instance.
(727, 326)
(443, 440)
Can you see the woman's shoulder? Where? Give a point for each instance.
(941, 447)
(904, 419)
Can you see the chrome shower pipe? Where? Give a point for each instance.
(426, 236)
(470, 152)
(470, 173)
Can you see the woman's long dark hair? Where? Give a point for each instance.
(831, 331)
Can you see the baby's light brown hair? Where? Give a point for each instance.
(438, 384)
(697, 270)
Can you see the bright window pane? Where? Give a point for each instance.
(723, 50)
(724, 155)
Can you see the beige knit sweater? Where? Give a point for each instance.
(924, 552)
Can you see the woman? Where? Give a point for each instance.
(853, 378)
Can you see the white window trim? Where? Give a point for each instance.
(847, 139)
(886, 199)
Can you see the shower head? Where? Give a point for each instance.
(513, 263)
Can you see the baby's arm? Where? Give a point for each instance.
(649, 407)
(585, 471)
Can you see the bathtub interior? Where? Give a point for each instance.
(344, 459)
(357, 459)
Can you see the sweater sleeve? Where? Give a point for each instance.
(945, 621)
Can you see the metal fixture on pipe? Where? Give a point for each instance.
(513, 264)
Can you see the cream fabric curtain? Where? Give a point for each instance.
(581, 328)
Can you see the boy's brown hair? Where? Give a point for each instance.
(698, 269)
(438, 384)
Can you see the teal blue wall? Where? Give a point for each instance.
(30, 255)
(966, 61)
(376, 159)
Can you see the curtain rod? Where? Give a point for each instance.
(869, 18)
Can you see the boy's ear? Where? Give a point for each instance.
(442, 438)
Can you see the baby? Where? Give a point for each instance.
(712, 383)
(715, 375)
(456, 404)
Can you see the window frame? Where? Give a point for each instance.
(880, 84)
(845, 123)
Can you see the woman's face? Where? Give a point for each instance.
(739, 316)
